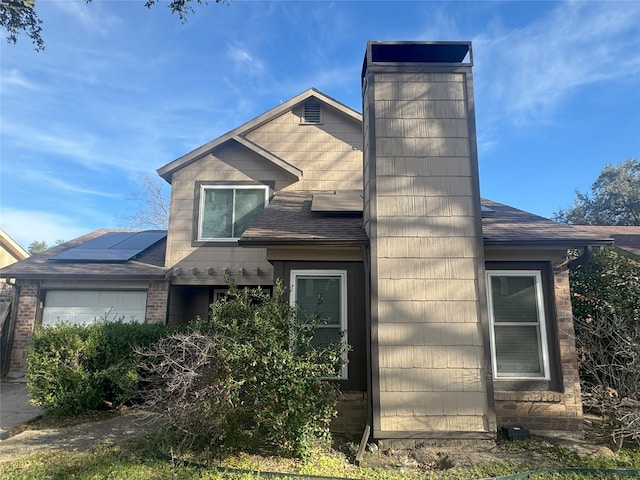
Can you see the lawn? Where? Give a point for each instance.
(157, 457)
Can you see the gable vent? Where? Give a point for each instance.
(311, 113)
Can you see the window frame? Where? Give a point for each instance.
(344, 331)
(227, 186)
(541, 324)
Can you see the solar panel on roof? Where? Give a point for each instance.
(112, 247)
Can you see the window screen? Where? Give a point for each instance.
(227, 212)
(517, 317)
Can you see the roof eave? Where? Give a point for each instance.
(250, 242)
(565, 243)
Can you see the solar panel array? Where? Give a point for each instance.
(112, 247)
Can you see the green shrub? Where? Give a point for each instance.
(75, 368)
(247, 378)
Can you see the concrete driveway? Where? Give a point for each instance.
(14, 406)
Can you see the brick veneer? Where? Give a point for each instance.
(545, 410)
(352, 413)
(27, 304)
(156, 312)
(157, 297)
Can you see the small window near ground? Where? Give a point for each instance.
(516, 312)
(226, 212)
(311, 113)
(325, 292)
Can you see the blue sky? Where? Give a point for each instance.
(121, 90)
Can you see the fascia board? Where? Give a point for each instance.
(167, 170)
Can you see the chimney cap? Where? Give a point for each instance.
(418, 52)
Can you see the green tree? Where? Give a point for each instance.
(614, 198)
(37, 246)
(606, 304)
(20, 17)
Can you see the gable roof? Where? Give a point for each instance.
(11, 246)
(238, 134)
(626, 238)
(147, 265)
(290, 220)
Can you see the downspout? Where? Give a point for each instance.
(584, 256)
(367, 293)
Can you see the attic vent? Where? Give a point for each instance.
(311, 113)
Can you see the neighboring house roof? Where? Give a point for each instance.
(288, 219)
(11, 248)
(625, 238)
(148, 264)
(238, 134)
(511, 226)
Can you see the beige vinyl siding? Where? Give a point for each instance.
(425, 254)
(329, 154)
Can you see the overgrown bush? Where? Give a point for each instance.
(247, 378)
(606, 305)
(75, 368)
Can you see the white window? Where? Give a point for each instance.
(226, 212)
(323, 291)
(516, 312)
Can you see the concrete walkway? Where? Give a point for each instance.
(79, 438)
(14, 406)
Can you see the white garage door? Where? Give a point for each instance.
(85, 306)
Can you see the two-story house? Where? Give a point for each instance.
(457, 308)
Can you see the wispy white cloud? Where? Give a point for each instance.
(245, 61)
(92, 16)
(14, 79)
(26, 226)
(49, 179)
(526, 73)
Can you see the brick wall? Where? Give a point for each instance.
(157, 297)
(352, 413)
(25, 320)
(544, 410)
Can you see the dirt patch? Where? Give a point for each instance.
(523, 455)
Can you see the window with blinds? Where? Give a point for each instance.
(324, 292)
(516, 312)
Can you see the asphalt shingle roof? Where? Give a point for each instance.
(625, 238)
(512, 226)
(148, 264)
(289, 220)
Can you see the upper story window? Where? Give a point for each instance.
(226, 211)
(311, 113)
(518, 330)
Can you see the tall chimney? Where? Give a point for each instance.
(429, 347)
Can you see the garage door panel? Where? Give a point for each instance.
(81, 307)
